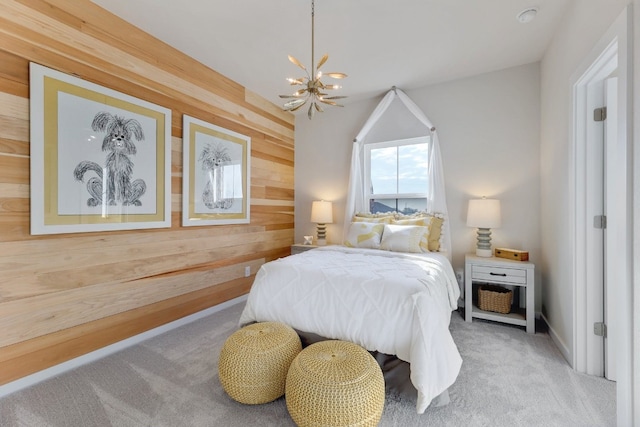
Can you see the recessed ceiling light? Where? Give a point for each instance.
(527, 15)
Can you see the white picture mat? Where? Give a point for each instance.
(232, 187)
(78, 142)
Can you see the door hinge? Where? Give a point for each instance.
(600, 114)
(600, 221)
(600, 329)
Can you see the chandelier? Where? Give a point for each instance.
(312, 89)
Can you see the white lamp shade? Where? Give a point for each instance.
(322, 212)
(484, 213)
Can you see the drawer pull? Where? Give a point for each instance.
(498, 274)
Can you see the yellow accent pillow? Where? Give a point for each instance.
(375, 215)
(430, 242)
(435, 231)
(403, 238)
(364, 235)
(373, 219)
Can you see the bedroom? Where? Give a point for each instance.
(38, 282)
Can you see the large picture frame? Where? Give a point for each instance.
(100, 159)
(216, 175)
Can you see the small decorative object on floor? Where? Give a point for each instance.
(513, 254)
(254, 362)
(495, 298)
(335, 383)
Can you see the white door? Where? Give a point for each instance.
(594, 237)
(614, 205)
(603, 199)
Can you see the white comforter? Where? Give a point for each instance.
(391, 302)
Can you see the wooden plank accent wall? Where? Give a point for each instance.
(64, 295)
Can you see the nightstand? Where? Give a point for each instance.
(505, 272)
(299, 248)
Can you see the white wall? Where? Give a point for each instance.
(582, 28)
(489, 136)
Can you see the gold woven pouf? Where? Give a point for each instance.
(254, 362)
(335, 383)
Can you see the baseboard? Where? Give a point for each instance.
(51, 372)
(564, 350)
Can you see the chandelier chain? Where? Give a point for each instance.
(313, 14)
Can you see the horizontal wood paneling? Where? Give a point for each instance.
(64, 295)
(29, 356)
(14, 169)
(13, 147)
(14, 75)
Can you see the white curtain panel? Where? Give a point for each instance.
(437, 201)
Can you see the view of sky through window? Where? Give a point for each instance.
(398, 177)
(401, 169)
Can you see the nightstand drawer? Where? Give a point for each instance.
(499, 274)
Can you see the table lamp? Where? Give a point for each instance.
(484, 214)
(322, 214)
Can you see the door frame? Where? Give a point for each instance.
(588, 93)
(614, 44)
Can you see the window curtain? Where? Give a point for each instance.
(436, 199)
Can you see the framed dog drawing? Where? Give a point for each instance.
(100, 159)
(216, 175)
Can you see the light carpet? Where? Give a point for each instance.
(508, 378)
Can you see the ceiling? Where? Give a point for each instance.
(378, 43)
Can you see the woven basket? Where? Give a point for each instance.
(495, 298)
(335, 383)
(254, 362)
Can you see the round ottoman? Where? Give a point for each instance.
(335, 383)
(254, 361)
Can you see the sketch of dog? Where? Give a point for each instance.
(213, 158)
(117, 186)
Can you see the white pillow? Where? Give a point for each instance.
(403, 238)
(364, 235)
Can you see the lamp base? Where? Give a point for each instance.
(483, 248)
(485, 253)
(322, 234)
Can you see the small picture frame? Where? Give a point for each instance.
(216, 175)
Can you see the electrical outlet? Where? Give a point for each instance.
(247, 271)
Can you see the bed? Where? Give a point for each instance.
(386, 301)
